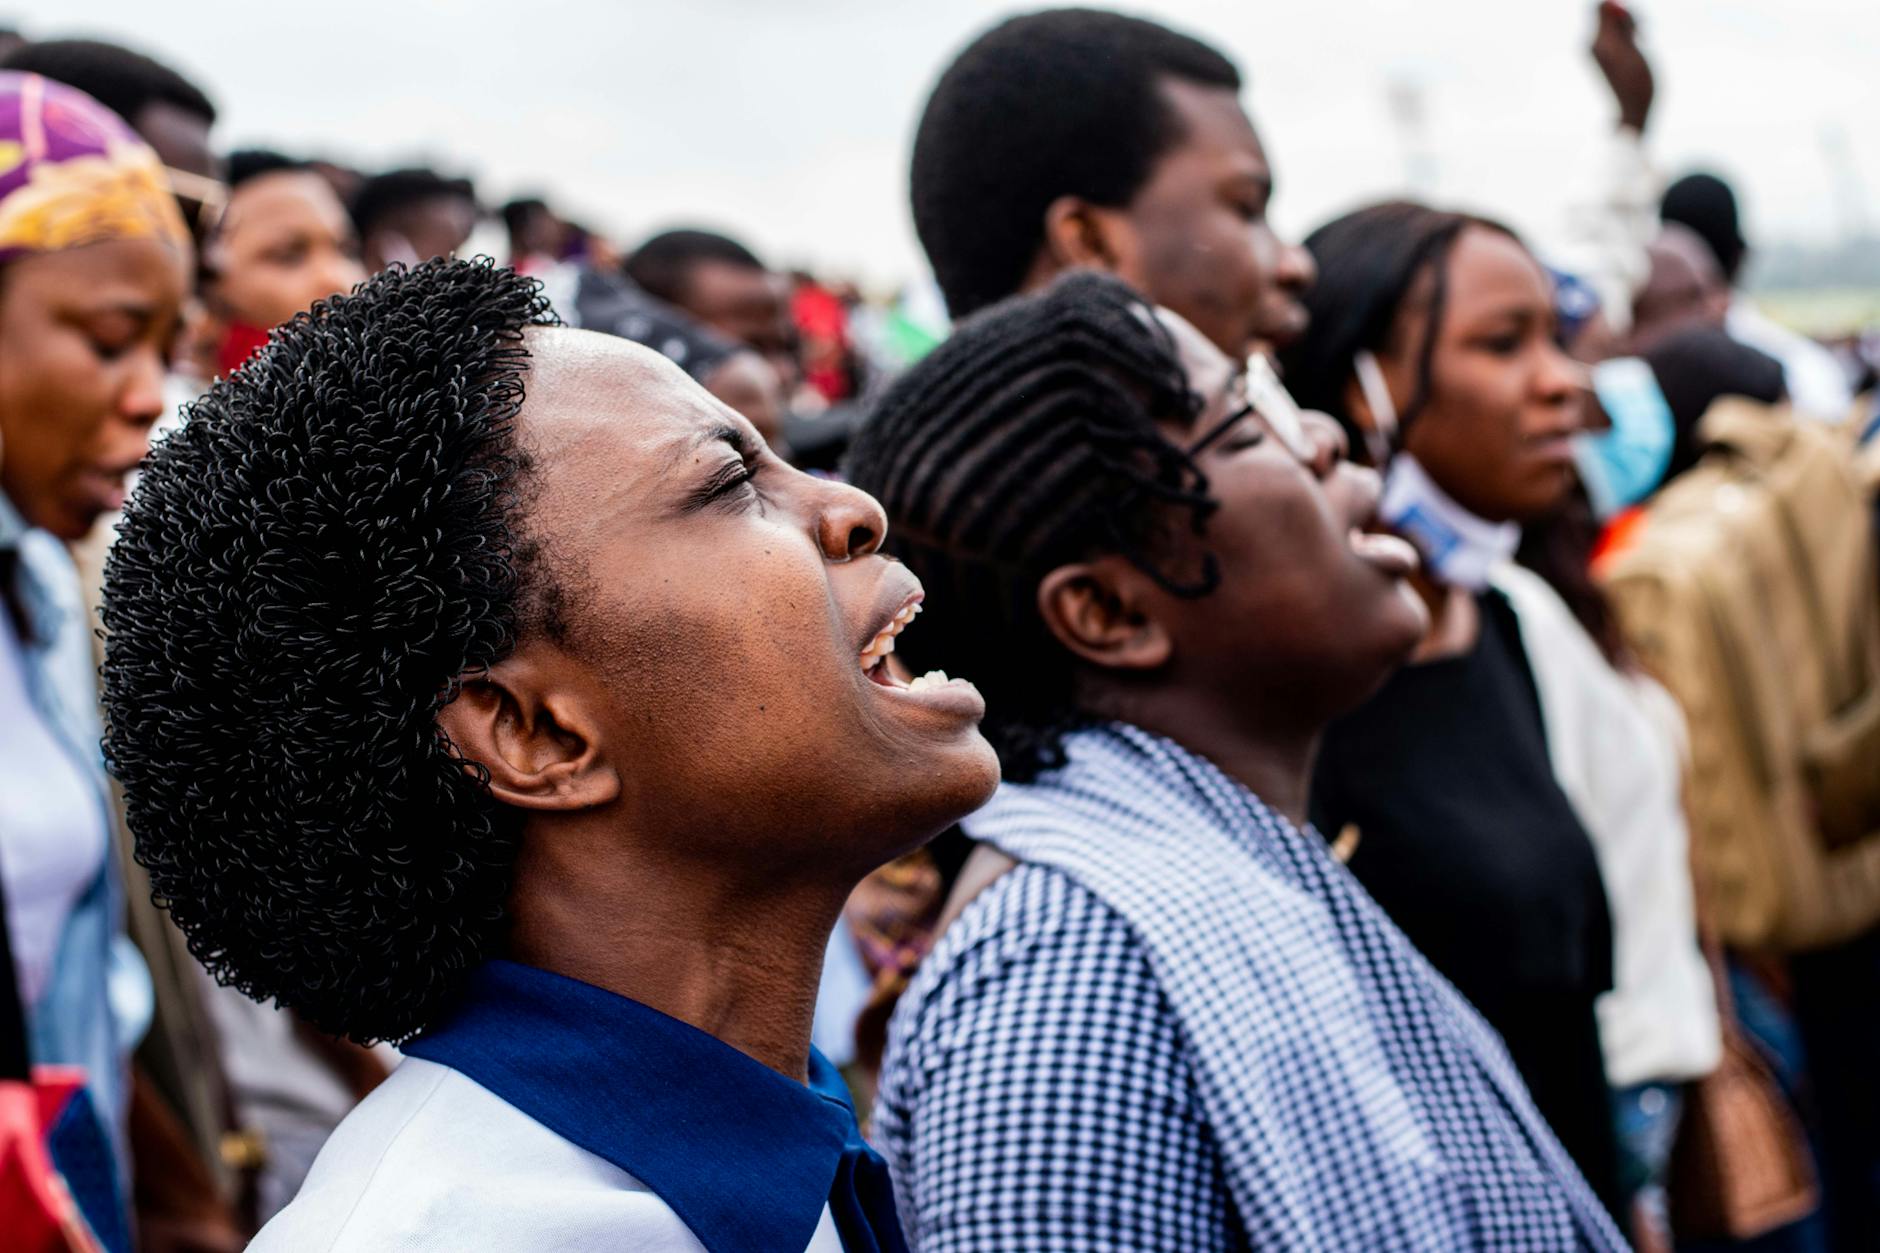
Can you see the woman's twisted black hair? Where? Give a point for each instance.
(306, 569)
(1026, 441)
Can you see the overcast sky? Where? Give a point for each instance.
(789, 121)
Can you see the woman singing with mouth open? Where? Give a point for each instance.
(487, 687)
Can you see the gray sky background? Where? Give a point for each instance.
(789, 122)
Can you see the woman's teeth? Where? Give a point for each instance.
(933, 678)
(883, 643)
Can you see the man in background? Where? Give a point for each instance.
(412, 215)
(1081, 138)
(1817, 385)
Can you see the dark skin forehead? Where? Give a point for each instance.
(607, 421)
(1214, 135)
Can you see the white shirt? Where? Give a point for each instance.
(433, 1161)
(1817, 385)
(1614, 740)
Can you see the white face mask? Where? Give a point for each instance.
(1459, 548)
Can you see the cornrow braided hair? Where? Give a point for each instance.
(306, 569)
(1026, 441)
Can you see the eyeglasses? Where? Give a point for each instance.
(1255, 391)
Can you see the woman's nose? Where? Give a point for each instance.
(851, 523)
(1329, 444)
(141, 400)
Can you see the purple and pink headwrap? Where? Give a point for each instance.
(73, 173)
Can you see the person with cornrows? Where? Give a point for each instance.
(1162, 1015)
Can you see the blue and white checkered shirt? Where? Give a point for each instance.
(1180, 1024)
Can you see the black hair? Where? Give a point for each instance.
(1066, 102)
(1369, 262)
(1705, 204)
(382, 195)
(1028, 440)
(663, 265)
(245, 164)
(305, 570)
(1696, 367)
(516, 213)
(121, 80)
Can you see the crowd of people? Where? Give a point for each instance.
(1384, 753)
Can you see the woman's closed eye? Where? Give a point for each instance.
(1238, 431)
(732, 483)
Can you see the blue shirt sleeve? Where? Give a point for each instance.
(1036, 1093)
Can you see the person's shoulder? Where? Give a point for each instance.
(1031, 914)
(1034, 934)
(433, 1160)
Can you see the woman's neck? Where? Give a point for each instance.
(743, 966)
(1455, 621)
(1273, 757)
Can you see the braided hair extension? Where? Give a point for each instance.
(304, 572)
(1026, 441)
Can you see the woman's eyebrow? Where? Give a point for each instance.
(723, 433)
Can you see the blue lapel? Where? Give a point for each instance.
(745, 1157)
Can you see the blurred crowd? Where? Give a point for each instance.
(1552, 611)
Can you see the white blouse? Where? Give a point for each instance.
(433, 1161)
(1616, 743)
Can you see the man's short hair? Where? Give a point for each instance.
(121, 80)
(383, 195)
(1706, 205)
(663, 265)
(516, 213)
(246, 164)
(1064, 102)
(306, 570)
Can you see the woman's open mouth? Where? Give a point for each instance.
(934, 687)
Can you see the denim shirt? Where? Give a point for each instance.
(97, 1003)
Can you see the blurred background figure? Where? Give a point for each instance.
(537, 238)
(411, 215)
(169, 112)
(283, 242)
(1684, 287)
(1816, 383)
(95, 261)
(720, 283)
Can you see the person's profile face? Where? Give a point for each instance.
(83, 339)
(1301, 595)
(1205, 248)
(1504, 400)
(719, 605)
(284, 242)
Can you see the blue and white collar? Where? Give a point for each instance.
(744, 1156)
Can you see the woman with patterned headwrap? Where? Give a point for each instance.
(94, 266)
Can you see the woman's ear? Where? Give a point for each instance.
(532, 734)
(1103, 611)
(1078, 233)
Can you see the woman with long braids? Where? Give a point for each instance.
(486, 686)
(1168, 1018)
(1433, 343)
